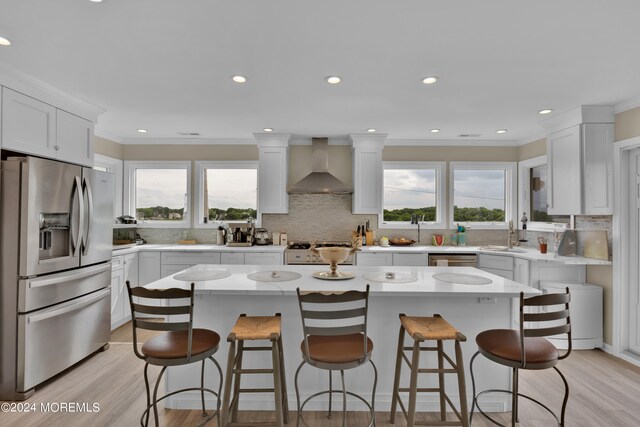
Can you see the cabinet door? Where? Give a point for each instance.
(410, 259)
(598, 164)
(500, 262)
(507, 274)
(169, 269)
(564, 166)
(374, 259)
(521, 271)
(192, 258)
(367, 181)
(28, 125)
(74, 139)
(148, 267)
(117, 312)
(263, 258)
(272, 176)
(130, 274)
(232, 258)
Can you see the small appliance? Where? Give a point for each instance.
(262, 236)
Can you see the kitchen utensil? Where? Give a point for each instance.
(568, 243)
(334, 255)
(543, 248)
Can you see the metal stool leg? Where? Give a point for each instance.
(514, 399)
(295, 384)
(146, 385)
(155, 397)
(566, 395)
(330, 392)
(204, 410)
(473, 387)
(443, 408)
(227, 384)
(396, 381)
(373, 393)
(344, 400)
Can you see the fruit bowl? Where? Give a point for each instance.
(401, 242)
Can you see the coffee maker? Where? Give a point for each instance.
(240, 233)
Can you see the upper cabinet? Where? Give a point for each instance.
(31, 126)
(579, 160)
(367, 173)
(273, 167)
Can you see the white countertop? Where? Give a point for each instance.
(426, 285)
(519, 252)
(198, 248)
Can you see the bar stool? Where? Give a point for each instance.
(423, 329)
(335, 347)
(255, 328)
(527, 348)
(181, 344)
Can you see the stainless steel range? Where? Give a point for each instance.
(298, 253)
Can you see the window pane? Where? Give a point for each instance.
(409, 192)
(538, 180)
(161, 194)
(231, 194)
(479, 195)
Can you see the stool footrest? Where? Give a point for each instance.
(437, 423)
(253, 371)
(420, 390)
(437, 371)
(251, 424)
(255, 390)
(265, 348)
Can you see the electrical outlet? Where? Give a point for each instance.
(487, 300)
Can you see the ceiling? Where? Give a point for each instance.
(166, 65)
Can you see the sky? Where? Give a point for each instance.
(416, 188)
(227, 188)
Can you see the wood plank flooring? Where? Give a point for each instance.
(604, 392)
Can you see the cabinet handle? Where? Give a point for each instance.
(56, 147)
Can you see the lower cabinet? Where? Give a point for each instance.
(368, 258)
(124, 267)
(499, 265)
(264, 258)
(411, 260)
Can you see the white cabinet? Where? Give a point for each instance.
(148, 267)
(263, 258)
(419, 260)
(497, 264)
(28, 125)
(74, 139)
(366, 258)
(173, 262)
(579, 164)
(236, 258)
(123, 268)
(367, 173)
(521, 271)
(273, 167)
(33, 127)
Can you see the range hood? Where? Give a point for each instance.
(320, 180)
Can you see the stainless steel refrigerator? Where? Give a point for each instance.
(56, 223)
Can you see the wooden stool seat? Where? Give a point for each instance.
(430, 328)
(337, 349)
(423, 329)
(255, 328)
(252, 328)
(175, 344)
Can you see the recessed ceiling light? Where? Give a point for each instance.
(268, 129)
(239, 79)
(4, 41)
(545, 111)
(372, 130)
(333, 80)
(434, 130)
(142, 130)
(96, 1)
(429, 80)
(501, 131)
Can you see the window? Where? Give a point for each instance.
(482, 194)
(227, 191)
(413, 188)
(114, 166)
(157, 193)
(533, 196)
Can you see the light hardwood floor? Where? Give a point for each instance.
(604, 392)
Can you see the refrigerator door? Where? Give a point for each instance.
(50, 216)
(97, 236)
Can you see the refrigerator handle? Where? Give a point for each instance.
(86, 186)
(76, 235)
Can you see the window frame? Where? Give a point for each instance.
(441, 186)
(201, 165)
(130, 168)
(524, 196)
(511, 193)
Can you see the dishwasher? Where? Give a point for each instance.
(453, 260)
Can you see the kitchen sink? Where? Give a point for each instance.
(495, 248)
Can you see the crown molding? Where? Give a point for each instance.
(532, 138)
(448, 143)
(579, 115)
(97, 131)
(30, 86)
(627, 105)
(188, 141)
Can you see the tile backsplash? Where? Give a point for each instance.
(329, 217)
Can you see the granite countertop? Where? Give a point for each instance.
(426, 285)
(518, 252)
(197, 248)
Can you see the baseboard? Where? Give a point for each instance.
(424, 403)
(607, 348)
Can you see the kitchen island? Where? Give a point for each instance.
(470, 308)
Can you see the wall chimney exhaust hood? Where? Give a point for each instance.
(320, 180)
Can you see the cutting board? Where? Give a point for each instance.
(595, 244)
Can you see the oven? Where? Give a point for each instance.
(299, 253)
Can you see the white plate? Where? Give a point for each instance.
(462, 279)
(390, 277)
(274, 276)
(326, 275)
